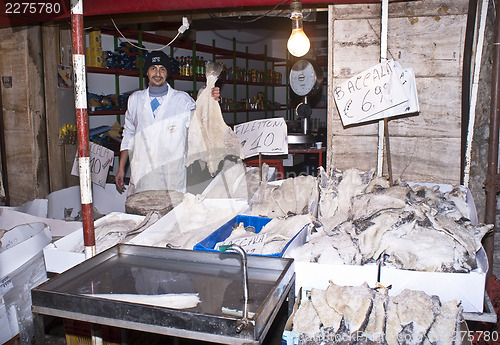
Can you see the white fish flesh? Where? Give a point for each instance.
(210, 140)
(173, 301)
(353, 302)
(306, 319)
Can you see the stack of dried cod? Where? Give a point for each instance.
(361, 315)
(298, 195)
(363, 220)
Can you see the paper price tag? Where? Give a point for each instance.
(268, 136)
(250, 244)
(376, 93)
(101, 158)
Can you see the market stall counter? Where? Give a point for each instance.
(181, 293)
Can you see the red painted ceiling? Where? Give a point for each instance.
(19, 12)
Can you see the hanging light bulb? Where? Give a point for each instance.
(298, 44)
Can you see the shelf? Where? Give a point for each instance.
(105, 112)
(220, 53)
(216, 54)
(283, 107)
(135, 73)
(114, 71)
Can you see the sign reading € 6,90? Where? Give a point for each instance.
(382, 91)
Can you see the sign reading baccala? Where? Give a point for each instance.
(376, 93)
(268, 136)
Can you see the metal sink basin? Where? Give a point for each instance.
(133, 269)
(298, 138)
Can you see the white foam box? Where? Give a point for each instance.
(60, 255)
(105, 200)
(313, 275)
(468, 288)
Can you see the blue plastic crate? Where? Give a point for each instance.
(222, 233)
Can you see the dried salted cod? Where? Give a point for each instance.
(234, 181)
(306, 193)
(328, 201)
(210, 140)
(410, 315)
(111, 232)
(350, 183)
(454, 204)
(319, 248)
(285, 196)
(306, 319)
(375, 329)
(328, 316)
(444, 329)
(266, 205)
(463, 232)
(369, 233)
(420, 249)
(174, 301)
(353, 302)
(367, 205)
(343, 243)
(294, 196)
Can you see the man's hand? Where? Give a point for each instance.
(216, 93)
(120, 184)
(120, 175)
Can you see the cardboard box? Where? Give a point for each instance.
(60, 255)
(58, 227)
(21, 269)
(222, 233)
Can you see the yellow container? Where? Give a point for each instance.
(95, 39)
(93, 57)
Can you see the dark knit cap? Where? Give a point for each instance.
(157, 57)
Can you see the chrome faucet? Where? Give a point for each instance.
(233, 247)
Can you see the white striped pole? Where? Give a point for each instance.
(82, 126)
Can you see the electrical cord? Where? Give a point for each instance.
(181, 30)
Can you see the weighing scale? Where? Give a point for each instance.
(130, 269)
(306, 79)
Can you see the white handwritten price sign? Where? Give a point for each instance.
(407, 78)
(251, 244)
(268, 136)
(101, 158)
(366, 96)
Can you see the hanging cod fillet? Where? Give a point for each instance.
(210, 140)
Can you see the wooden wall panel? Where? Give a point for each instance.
(429, 37)
(50, 41)
(410, 9)
(436, 118)
(24, 113)
(413, 159)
